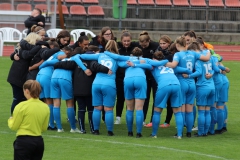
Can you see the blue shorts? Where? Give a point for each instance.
(171, 91)
(205, 97)
(103, 95)
(45, 85)
(135, 88)
(61, 88)
(188, 92)
(223, 95)
(218, 88)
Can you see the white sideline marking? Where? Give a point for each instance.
(133, 144)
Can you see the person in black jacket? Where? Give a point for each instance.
(83, 42)
(125, 48)
(82, 85)
(36, 18)
(18, 72)
(48, 49)
(101, 40)
(148, 48)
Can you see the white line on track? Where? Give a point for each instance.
(133, 144)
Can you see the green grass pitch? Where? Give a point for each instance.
(63, 146)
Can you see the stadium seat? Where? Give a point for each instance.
(24, 33)
(52, 33)
(73, 1)
(76, 33)
(232, 3)
(95, 11)
(198, 3)
(64, 9)
(39, 0)
(6, 6)
(42, 7)
(90, 1)
(163, 2)
(131, 2)
(146, 2)
(10, 34)
(78, 10)
(24, 7)
(216, 3)
(180, 3)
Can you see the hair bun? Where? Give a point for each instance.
(82, 34)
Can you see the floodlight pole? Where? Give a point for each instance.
(120, 14)
(207, 10)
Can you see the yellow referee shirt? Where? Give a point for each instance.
(30, 118)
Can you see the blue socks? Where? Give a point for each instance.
(139, 120)
(183, 117)
(207, 121)
(179, 123)
(226, 115)
(57, 117)
(194, 114)
(155, 122)
(96, 117)
(71, 117)
(213, 120)
(51, 118)
(189, 121)
(129, 120)
(201, 122)
(109, 120)
(220, 118)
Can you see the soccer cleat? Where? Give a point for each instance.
(188, 134)
(110, 133)
(60, 130)
(153, 136)
(219, 131)
(195, 129)
(52, 129)
(75, 130)
(118, 120)
(176, 136)
(82, 132)
(96, 132)
(224, 129)
(130, 134)
(164, 125)
(197, 135)
(149, 125)
(211, 134)
(139, 135)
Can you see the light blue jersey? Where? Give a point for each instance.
(63, 73)
(217, 76)
(186, 59)
(46, 68)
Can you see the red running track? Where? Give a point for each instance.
(229, 53)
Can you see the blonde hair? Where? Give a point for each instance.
(33, 87)
(32, 38)
(37, 29)
(166, 39)
(111, 46)
(181, 41)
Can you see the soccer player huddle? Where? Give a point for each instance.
(181, 74)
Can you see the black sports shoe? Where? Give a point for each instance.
(96, 132)
(189, 134)
(130, 134)
(224, 129)
(110, 133)
(139, 135)
(211, 134)
(52, 129)
(218, 131)
(197, 135)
